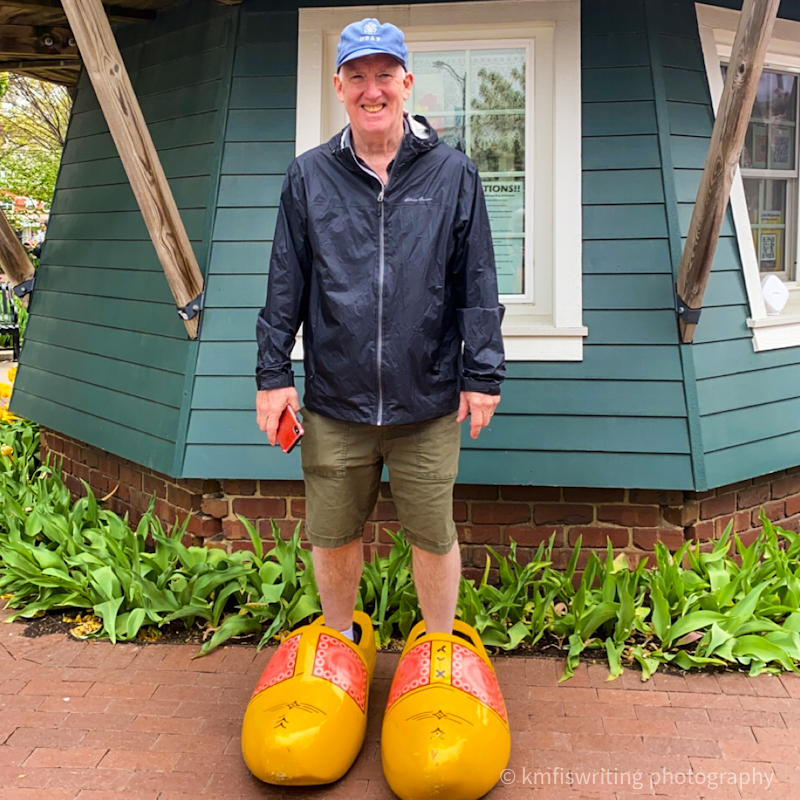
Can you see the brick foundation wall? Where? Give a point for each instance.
(633, 519)
(133, 485)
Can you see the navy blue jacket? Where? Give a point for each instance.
(387, 282)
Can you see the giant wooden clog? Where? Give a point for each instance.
(305, 723)
(445, 731)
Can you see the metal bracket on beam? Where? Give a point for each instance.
(691, 316)
(26, 287)
(192, 308)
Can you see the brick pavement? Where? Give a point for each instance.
(94, 721)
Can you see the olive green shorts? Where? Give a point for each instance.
(342, 465)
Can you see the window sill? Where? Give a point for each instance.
(544, 343)
(780, 330)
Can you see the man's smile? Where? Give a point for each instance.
(374, 109)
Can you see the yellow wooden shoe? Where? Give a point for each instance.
(445, 732)
(305, 723)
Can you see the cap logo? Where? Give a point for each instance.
(370, 28)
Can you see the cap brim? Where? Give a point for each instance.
(369, 51)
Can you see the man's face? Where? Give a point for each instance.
(373, 90)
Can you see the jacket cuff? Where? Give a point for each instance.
(483, 360)
(274, 379)
(476, 385)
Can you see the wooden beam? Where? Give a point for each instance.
(115, 13)
(37, 63)
(40, 41)
(14, 260)
(106, 70)
(727, 139)
(59, 77)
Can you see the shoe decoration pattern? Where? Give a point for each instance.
(445, 731)
(413, 671)
(280, 667)
(474, 676)
(306, 720)
(334, 661)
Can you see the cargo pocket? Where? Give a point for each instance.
(323, 449)
(438, 447)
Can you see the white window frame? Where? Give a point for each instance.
(538, 294)
(717, 31)
(553, 28)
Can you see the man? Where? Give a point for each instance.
(34, 244)
(383, 252)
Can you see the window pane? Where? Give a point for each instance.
(772, 131)
(771, 250)
(439, 82)
(475, 100)
(766, 202)
(497, 142)
(497, 79)
(781, 96)
(781, 147)
(754, 154)
(506, 207)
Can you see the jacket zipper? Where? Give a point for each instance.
(381, 271)
(381, 278)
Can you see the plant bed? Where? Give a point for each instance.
(735, 607)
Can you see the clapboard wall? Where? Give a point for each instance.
(748, 402)
(640, 409)
(107, 362)
(618, 418)
(223, 440)
(106, 356)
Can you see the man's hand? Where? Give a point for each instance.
(480, 408)
(269, 407)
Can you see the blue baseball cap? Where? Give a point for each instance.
(368, 37)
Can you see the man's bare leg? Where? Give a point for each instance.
(338, 572)
(437, 579)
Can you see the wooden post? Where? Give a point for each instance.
(13, 259)
(115, 13)
(727, 139)
(114, 91)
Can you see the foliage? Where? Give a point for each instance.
(498, 140)
(387, 592)
(33, 127)
(6, 341)
(735, 606)
(278, 591)
(59, 555)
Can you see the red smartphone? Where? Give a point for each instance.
(290, 431)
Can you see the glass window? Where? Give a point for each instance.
(766, 203)
(769, 171)
(475, 99)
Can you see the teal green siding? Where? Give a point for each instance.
(106, 356)
(107, 360)
(222, 437)
(618, 418)
(747, 402)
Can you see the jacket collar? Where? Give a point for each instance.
(419, 137)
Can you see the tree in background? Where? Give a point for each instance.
(498, 140)
(33, 127)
